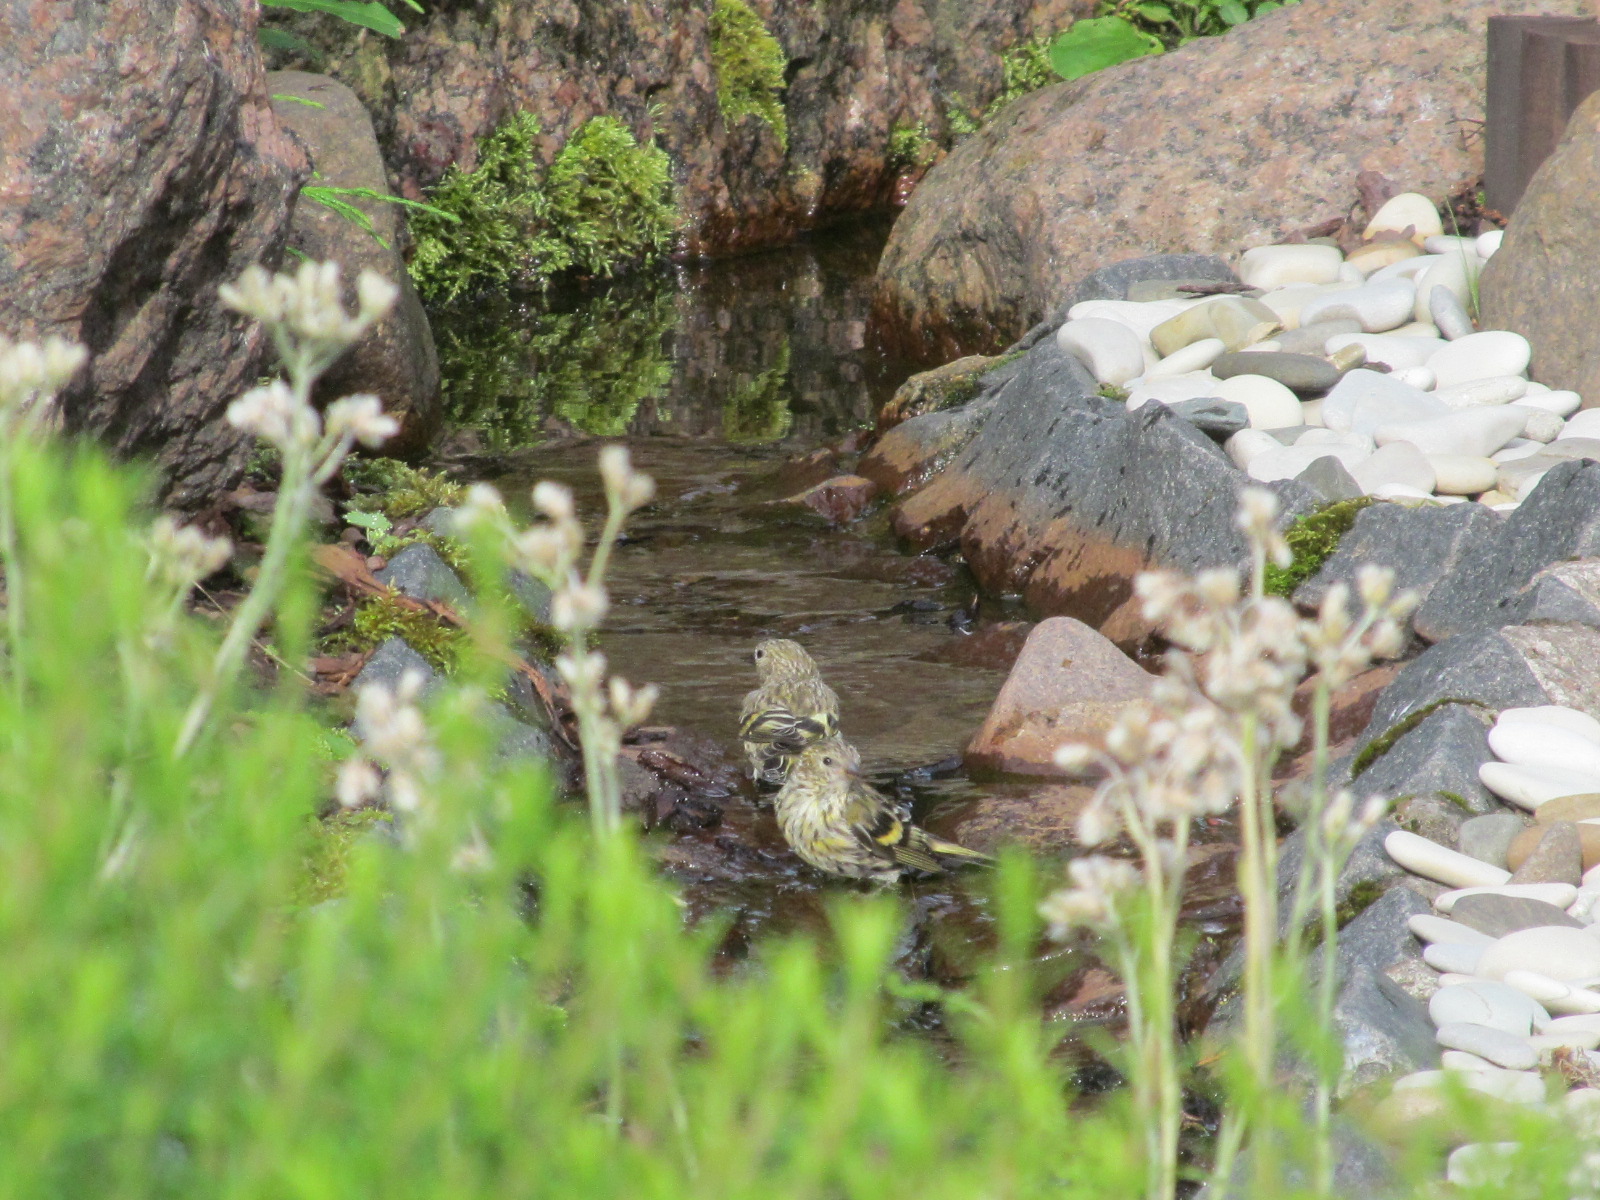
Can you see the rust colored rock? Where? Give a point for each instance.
(1225, 143)
(1541, 283)
(993, 647)
(1043, 821)
(840, 500)
(1068, 685)
(140, 166)
(912, 453)
(395, 361)
(858, 70)
(1351, 705)
(934, 391)
(1551, 850)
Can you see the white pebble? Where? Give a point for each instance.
(1476, 432)
(1460, 1060)
(1418, 377)
(1488, 243)
(1499, 1047)
(1396, 353)
(1499, 389)
(1542, 744)
(1559, 951)
(1377, 306)
(1453, 957)
(1542, 426)
(1585, 424)
(1482, 1164)
(1269, 403)
(1429, 859)
(1455, 272)
(1481, 356)
(1562, 403)
(1274, 266)
(1461, 474)
(1408, 210)
(1111, 351)
(1196, 356)
(1529, 786)
(1248, 444)
(1439, 930)
(1570, 719)
(1399, 464)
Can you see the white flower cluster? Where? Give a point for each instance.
(181, 556)
(31, 373)
(394, 736)
(304, 313)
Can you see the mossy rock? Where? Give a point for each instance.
(1312, 540)
(750, 65)
(949, 386)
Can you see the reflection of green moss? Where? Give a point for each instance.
(1313, 539)
(759, 410)
(605, 201)
(592, 365)
(749, 63)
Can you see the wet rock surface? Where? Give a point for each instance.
(144, 168)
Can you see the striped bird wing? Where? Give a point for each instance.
(783, 728)
(881, 831)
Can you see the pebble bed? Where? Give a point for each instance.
(1359, 374)
(1515, 939)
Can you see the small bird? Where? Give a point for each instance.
(791, 709)
(841, 824)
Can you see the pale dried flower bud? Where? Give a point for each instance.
(1097, 823)
(358, 783)
(481, 505)
(183, 555)
(584, 674)
(361, 417)
(1218, 587)
(1387, 639)
(546, 551)
(275, 415)
(1373, 810)
(578, 606)
(1075, 756)
(375, 295)
(638, 492)
(1374, 584)
(255, 294)
(616, 468)
(554, 500)
(1258, 509)
(632, 705)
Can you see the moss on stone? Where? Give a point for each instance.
(1111, 391)
(398, 490)
(1312, 540)
(329, 842)
(1382, 744)
(1024, 68)
(606, 201)
(750, 64)
(910, 146)
(380, 618)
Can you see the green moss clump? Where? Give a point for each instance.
(593, 366)
(606, 201)
(1025, 68)
(750, 63)
(398, 490)
(1111, 391)
(910, 146)
(1312, 540)
(329, 842)
(1379, 746)
(380, 618)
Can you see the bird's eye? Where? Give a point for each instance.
(760, 654)
(826, 761)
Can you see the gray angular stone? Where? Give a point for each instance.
(1113, 282)
(1297, 372)
(1564, 593)
(1439, 757)
(1383, 1029)
(533, 595)
(1488, 837)
(1559, 520)
(1421, 545)
(1330, 480)
(1216, 418)
(1499, 915)
(389, 663)
(441, 522)
(1558, 858)
(1483, 668)
(419, 572)
(1361, 1167)
(516, 739)
(1430, 815)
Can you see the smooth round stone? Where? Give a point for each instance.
(1274, 266)
(1553, 852)
(1313, 339)
(1449, 314)
(1396, 353)
(1554, 995)
(1403, 493)
(1517, 1087)
(1488, 837)
(1481, 1002)
(1439, 931)
(1475, 432)
(1502, 389)
(1328, 437)
(1562, 403)
(1408, 268)
(1454, 272)
(1311, 412)
(1111, 351)
(1418, 377)
(1582, 807)
(1585, 424)
(1377, 255)
(1408, 210)
(1248, 444)
(1298, 372)
(1500, 915)
(1365, 400)
(1398, 464)
(1286, 302)
(1174, 389)
(1460, 1060)
(1542, 426)
(1449, 243)
(1139, 316)
(1538, 744)
(1351, 274)
(1482, 1165)
(1379, 306)
(1559, 951)
(1571, 720)
(1529, 786)
(1418, 329)
(1196, 356)
(1488, 243)
(1497, 1046)
(1290, 461)
(1481, 356)
(1558, 894)
(1461, 475)
(1570, 447)
(1269, 403)
(1545, 1044)
(1573, 1024)
(1427, 858)
(1237, 320)
(1515, 449)
(1454, 957)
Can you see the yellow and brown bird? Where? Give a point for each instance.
(841, 824)
(790, 709)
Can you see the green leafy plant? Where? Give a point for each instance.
(750, 65)
(606, 201)
(397, 490)
(1127, 29)
(338, 200)
(369, 14)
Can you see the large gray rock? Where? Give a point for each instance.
(389, 664)
(396, 360)
(1560, 519)
(1383, 1030)
(1224, 143)
(1066, 497)
(419, 572)
(1542, 283)
(1420, 544)
(1564, 593)
(142, 167)
(1439, 757)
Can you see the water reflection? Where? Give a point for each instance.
(769, 348)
